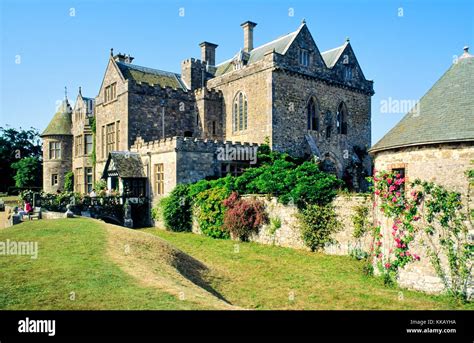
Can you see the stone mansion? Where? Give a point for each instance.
(149, 129)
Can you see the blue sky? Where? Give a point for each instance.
(404, 46)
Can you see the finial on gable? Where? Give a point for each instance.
(347, 39)
(65, 92)
(80, 91)
(111, 51)
(303, 21)
(466, 53)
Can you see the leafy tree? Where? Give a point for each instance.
(28, 172)
(16, 144)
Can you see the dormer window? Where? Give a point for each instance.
(110, 92)
(303, 57)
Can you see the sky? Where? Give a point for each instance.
(404, 46)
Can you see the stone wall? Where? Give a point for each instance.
(56, 166)
(289, 235)
(184, 159)
(113, 111)
(255, 81)
(346, 243)
(292, 92)
(146, 112)
(210, 114)
(443, 164)
(80, 128)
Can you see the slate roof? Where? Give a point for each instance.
(151, 76)
(280, 45)
(445, 113)
(330, 57)
(61, 122)
(126, 164)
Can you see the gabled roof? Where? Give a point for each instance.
(280, 45)
(124, 164)
(444, 114)
(61, 122)
(330, 57)
(151, 76)
(88, 101)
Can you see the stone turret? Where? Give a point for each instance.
(193, 73)
(57, 149)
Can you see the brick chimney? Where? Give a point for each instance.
(208, 53)
(248, 35)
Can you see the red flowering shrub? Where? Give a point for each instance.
(243, 216)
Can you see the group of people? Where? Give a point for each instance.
(108, 192)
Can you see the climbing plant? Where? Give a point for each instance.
(440, 217)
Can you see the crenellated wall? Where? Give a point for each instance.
(184, 159)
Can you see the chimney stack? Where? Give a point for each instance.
(248, 35)
(123, 57)
(208, 53)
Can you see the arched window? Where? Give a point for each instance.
(312, 112)
(341, 119)
(240, 115)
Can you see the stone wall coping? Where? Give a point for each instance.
(208, 93)
(187, 144)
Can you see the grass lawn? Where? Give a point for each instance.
(165, 270)
(72, 258)
(256, 276)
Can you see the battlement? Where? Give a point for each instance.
(185, 144)
(208, 93)
(193, 61)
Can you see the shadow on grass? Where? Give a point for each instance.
(195, 271)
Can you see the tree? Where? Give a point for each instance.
(28, 172)
(16, 144)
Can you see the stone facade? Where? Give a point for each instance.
(443, 164)
(184, 160)
(261, 94)
(82, 163)
(55, 169)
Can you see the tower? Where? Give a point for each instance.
(57, 149)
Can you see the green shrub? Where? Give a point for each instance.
(275, 224)
(360, 219)
(318, 223)
(157, 210)
(292, 183)
(210, 211)
(100, 185)
(358, 254)
(69, 182)
(176, 209)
